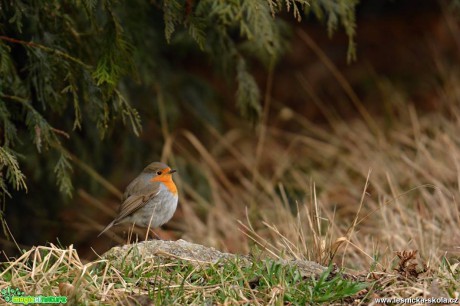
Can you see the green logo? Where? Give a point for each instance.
(16, 296)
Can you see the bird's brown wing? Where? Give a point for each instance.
(134, 202)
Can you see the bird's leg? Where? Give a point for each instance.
(155, 234)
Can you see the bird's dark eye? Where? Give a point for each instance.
(159, 172)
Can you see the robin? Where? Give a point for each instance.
(150, 200)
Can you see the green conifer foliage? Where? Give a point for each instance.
(67, 66)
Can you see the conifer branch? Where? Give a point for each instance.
(47, 49)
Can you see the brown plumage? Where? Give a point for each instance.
(150, 200)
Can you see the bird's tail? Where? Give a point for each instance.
(106, 228)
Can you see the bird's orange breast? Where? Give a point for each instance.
(171, 186)
(167, 181)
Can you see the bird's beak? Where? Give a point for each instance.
(172, 171)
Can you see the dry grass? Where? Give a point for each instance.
(383, 192)
(343, 194)
(132, 279)
(356, 193)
